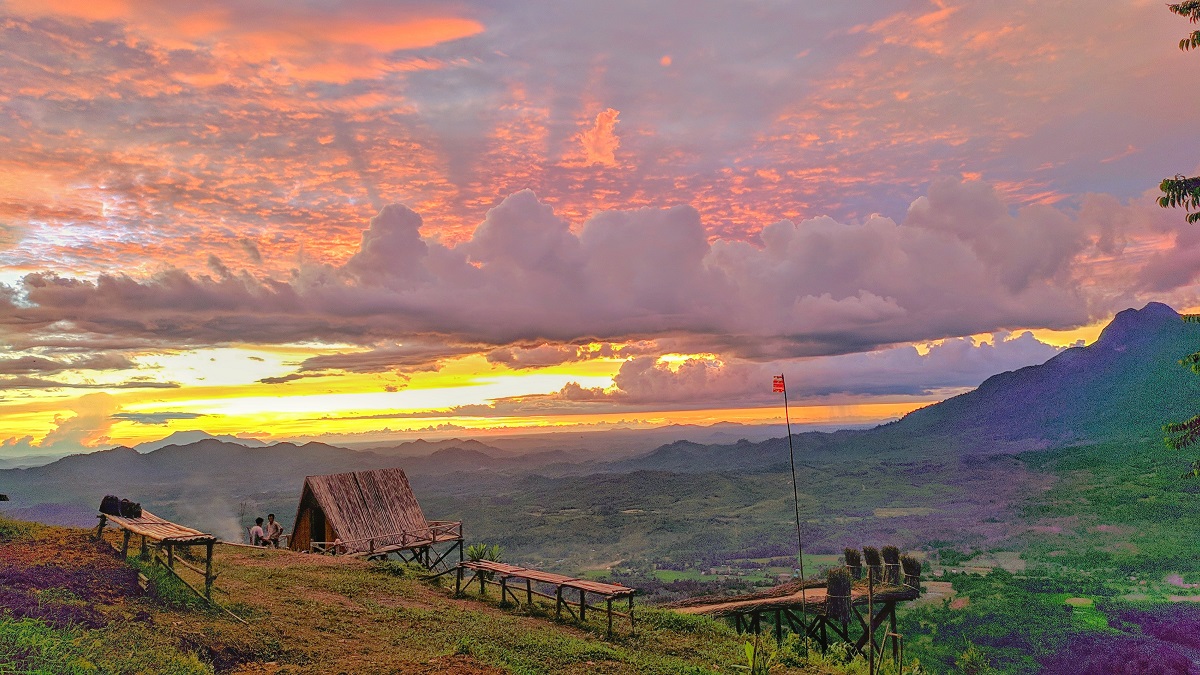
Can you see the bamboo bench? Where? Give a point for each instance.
(166, 537)
(485, 570)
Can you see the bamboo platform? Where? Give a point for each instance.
(501, 574)
(166, 537)
(814, 599)
(157, 529)
(806, 608)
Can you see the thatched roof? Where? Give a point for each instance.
(367, 509)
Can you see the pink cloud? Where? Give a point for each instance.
(959, 264)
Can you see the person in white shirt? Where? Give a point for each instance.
(273, 531)
(257, 536)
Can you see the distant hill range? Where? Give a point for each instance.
(193, 436)
(1127, 384)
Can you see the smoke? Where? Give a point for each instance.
(198, 508)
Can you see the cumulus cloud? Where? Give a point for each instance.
(959, 264)
(392, 252)
(88, 427)
(600, 141)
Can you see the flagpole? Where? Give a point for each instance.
(796, 501)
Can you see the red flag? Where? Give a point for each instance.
(777, 384)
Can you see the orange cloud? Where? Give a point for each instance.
(354, 42)
(601, 141)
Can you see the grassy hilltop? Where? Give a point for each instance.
(68, 605)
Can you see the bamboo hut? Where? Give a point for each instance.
(369, 513)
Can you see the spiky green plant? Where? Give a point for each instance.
(489, 552)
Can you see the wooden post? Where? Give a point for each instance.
(558, 602)
(631, 612)
(528, 592)
(170, 556)
(503, 589)
(100, 528)
(125, 545)
(610, 616)
(458, 581)
(460, 550)
(871, 618)
(144, 554)
(482, 581)
(895, 645)
(208, 573)
(582, 606)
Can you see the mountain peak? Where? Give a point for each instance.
(1132, 325)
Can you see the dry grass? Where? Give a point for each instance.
(310, 614)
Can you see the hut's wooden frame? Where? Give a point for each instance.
(371, 514)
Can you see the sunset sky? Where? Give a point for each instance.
(342, 221)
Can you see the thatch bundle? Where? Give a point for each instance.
(912, 571)
(854, 563)
(838, 579)
(891, 565)
(874, 563)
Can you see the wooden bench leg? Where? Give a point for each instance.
(582, 606)
(208, 572)
(125, 545)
